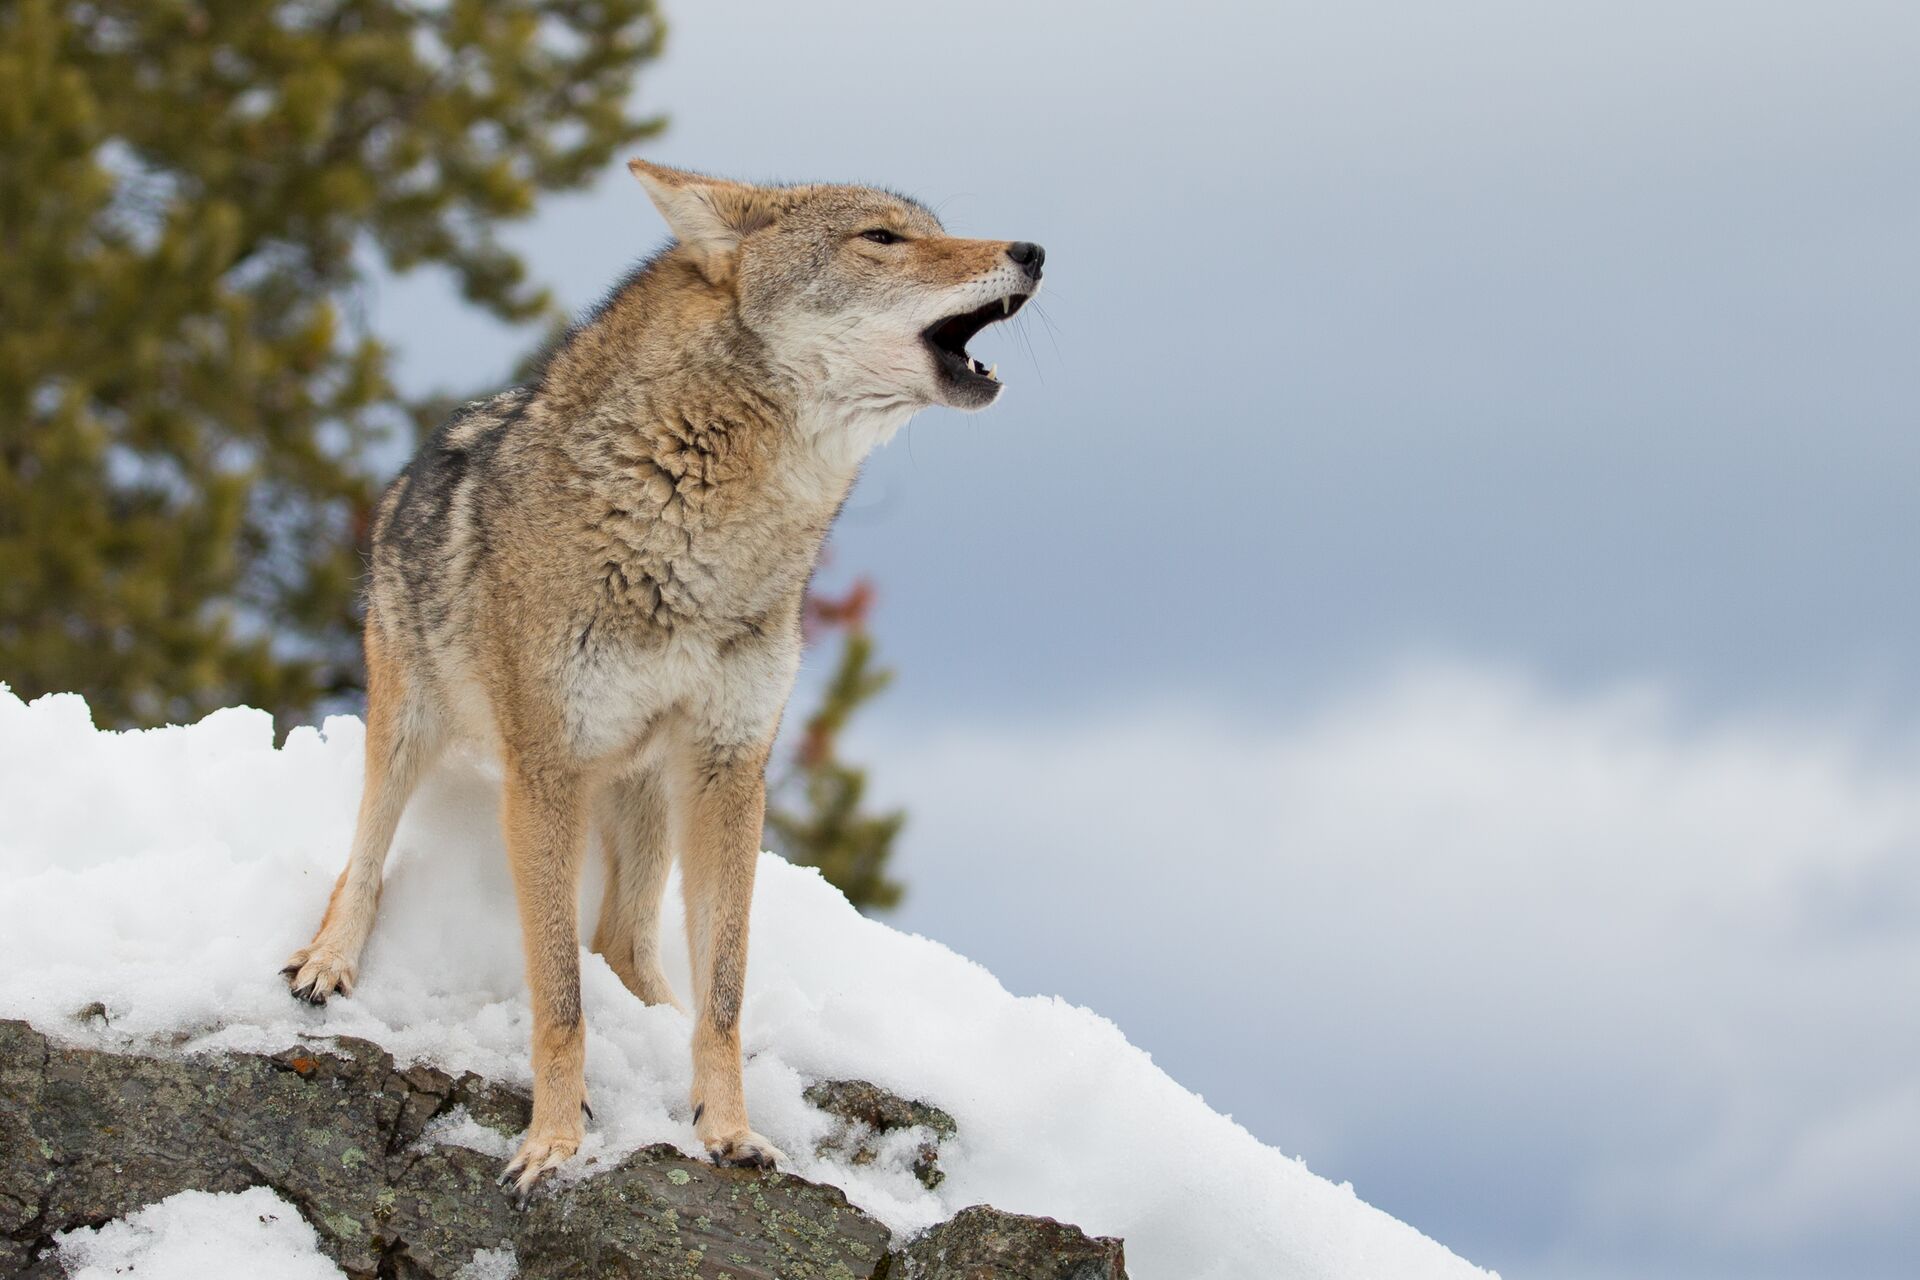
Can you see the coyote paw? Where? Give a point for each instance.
(539, 1155)
(653, 990)
(314, 973)
(648, 983)
(743, 1149)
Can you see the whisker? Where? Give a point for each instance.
(1026, 340)
(1047, 320)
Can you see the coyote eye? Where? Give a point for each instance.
(880, 235)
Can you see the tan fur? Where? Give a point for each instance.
(599, 575)
(639, 853)
(395, 758)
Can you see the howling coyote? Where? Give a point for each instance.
(599, 575)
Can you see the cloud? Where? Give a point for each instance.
(1571, 984)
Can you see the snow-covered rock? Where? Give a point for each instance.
(165, 875)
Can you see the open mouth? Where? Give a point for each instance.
(948, 340)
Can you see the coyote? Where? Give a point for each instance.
(599, 575)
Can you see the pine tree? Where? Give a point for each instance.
(190, 192)
(826, 827)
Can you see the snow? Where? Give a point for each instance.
(167, 874)
(201, 1235)
(459, 1129)
(490, 1264)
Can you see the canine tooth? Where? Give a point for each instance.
(1006, 305)
(993, 371)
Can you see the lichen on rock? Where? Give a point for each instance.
(87, 1136)
(983, 1243)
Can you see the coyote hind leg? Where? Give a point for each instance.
(632, 815)
(399, 747)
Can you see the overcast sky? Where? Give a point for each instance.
(1430, 640)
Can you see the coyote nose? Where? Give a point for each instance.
(1027, 256)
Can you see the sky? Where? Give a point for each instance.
(1429, 639)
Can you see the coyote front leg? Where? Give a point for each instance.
(542, 815)
(724, 796)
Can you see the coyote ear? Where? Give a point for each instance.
(709, 216)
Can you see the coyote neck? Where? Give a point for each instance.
(709, 505)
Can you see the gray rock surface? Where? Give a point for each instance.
(87, 1136)
(867, 1113)
(982, 1243)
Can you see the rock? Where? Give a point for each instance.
(866, 1112)
(661, 1214)
(87, 1136)
(92, 1136)
(982, 1243)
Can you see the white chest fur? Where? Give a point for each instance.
(728, 695)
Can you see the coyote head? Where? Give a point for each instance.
(858, 293)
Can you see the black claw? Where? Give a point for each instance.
(522, 1196)
(584, 1107)
(699, 1109)
(752, 1158)
(290, 970)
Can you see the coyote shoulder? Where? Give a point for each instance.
(599, 576)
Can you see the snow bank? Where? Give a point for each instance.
(200, 1234)
(167, 874)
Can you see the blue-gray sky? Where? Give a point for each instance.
(1575, 347)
